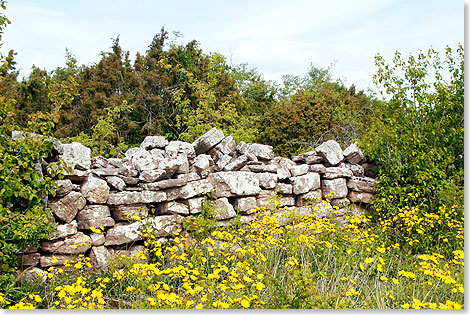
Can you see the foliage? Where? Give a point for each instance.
(416, 138)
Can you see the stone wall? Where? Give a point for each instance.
(163, 181)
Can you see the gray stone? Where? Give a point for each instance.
(133, 197)
(32, 275)
(171, 207)
(223, 161)
(236, 163)
(99, 257)
(194, 204)
(129, 180)
(232, 184)
(337, 172)
(245, 204)
(362, 197)
(334, 188)
(75, 244)
(261, 151)
(64, 186)
(131, 152)
(223, 209)
(310, 198)
(28, 259)
(175, 148)
(97, 239)
(340, 203)
(77, 175)
(298, 170)
(356, 169)
(152, 175)
(283, 188)
(353, 154)
(108, 171)
(123, 233)
(158, 154)
(92, 212)
(95, 189)
(126, 212)
(362, 184)
(128, 171)
(96, 223)
(64, 230)
(311, 157)
(53, 260)
(208, 140)
(267, 180)
(305, 183)
(191, 189)
(142, 161)
(166, 183)
(188, 177)
(202, 164)
(226, 146)
(76, 155)
(331, 152)
(67, 207)
(318, 168)
(117, 162)
(262, 168)
(163, 224)
(116, 182)
(183, 162)
(153, 142)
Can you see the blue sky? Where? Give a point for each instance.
(275, 37)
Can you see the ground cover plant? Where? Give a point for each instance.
(279, 260)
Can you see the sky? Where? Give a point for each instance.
(275, 37)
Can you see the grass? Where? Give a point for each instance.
(275, 261)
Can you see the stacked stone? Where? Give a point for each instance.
(169, 180)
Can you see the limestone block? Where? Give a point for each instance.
(305, 183)
(183, 162)
(318, 168)
(236, 163)
(331, 152)
(53, 260)
(245, 204)
(123, 233)
(75, 244)
(133, 197)
(336, 187)
(152, 175)
(353, 154)
(117, 162)
(262, 168)
(208, 140)
(362, 197)
(232, 184)
(64, 186)
(298, 170)
(126, 212)
(194, 204)
(32, 275)
(97, 239)
(96, 223)
(163, 224)
(77, 175)
(356, 169)
(95, 189)
(28, 259)
(171, 207)
(340, 203)
(223, 161)
(64, 230)
(91, 212)
(106, 171)
(99, 257)
(226, 146)
(129, 180)
(191, 189)
(153, 142)
(202, 164)
(76, 155)
(175, 148)
(166, 183)
(67, 207)
(337, 172)
(311, 157)
(267, 180)
(261, 151)
(310, 198)
(142, 160)
(223, 209)
(284, 188)
(116, 182)
(362, 184)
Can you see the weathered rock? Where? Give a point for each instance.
(53, 260)
(97, 239)
(75, 244)
(128, 172)
(261, 151)
(95, 189)
(99, 257)
(77, 175)
(237, 163)
(64, 186)
(283, 165)
(183, 163)
(356, 169)
(334, 188)
(208, 140)
(202, 164)
(313, 159)
(194, 204)
(129, 180)
(189, 177)
(265, 197)
(153, 142)
(337, 172)
(166, 183)
(226, 146)
(106, 171)
(318, 168)
(116, 182)
(310, 198)
(305, 183)
(298, 170)
(123, 233)
(283, 188)
(223, 209)
(175, 148)
(152, 175)
(171, 207)
(362, 197)
(133, 197)
(32, 275)
(158, 154)
(262, 168)
(76, 155)
(331, 152)
(28, 259)
(96, 223)
(126, 212)
(223, 161)
(267, 180)
(64, 230)
(142, 160)
(134, 253)
(340, 203)
(245, 204)
(362, 184)
(131, 152)
(92, 212)
(191, 189)
(117, 162)
(163, 224)
(67, 207)
(353, 154)
(232, 184)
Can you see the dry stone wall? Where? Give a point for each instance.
(163, 181)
